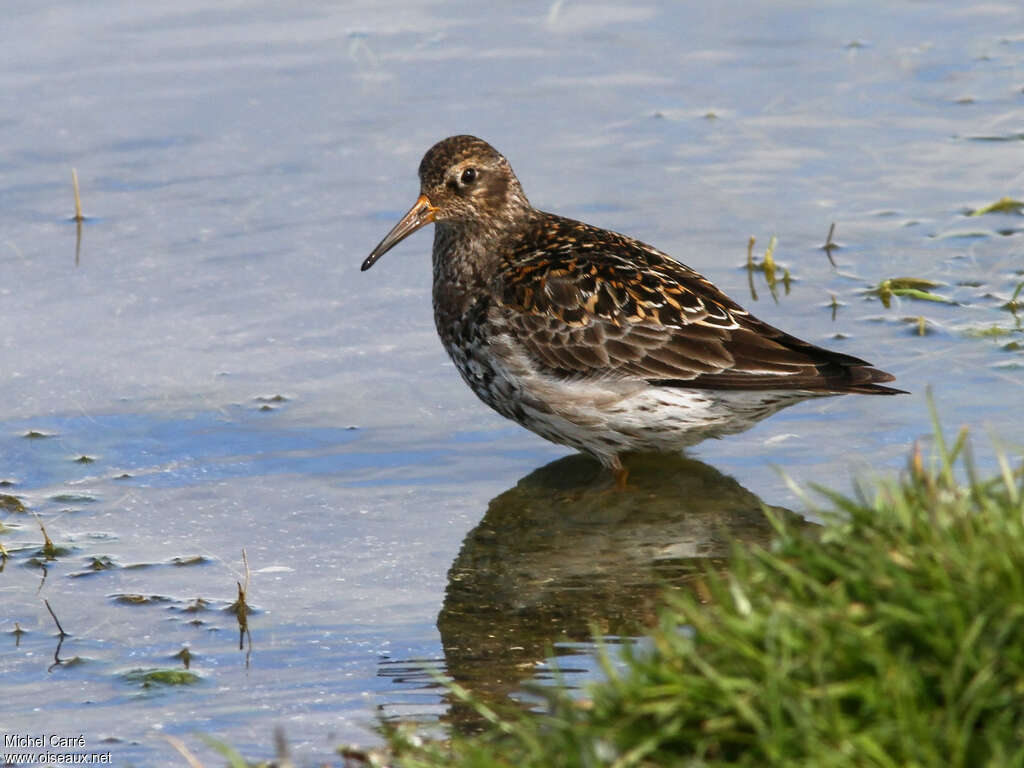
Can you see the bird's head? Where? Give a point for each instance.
(464, 182)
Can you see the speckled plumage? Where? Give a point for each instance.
(590, 338)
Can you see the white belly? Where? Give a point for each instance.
(609, 416)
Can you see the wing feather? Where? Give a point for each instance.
(598, 304)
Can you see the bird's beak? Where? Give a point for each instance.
(421, 214)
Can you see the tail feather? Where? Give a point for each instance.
(823, 371)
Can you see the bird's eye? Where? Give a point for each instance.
(468, 176)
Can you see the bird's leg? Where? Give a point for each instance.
(620, 473)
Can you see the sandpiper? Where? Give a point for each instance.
(590, 338)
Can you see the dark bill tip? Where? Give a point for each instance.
(421, 214)
(370, 260)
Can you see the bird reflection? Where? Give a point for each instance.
(558, 555)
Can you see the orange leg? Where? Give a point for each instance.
(621, 473)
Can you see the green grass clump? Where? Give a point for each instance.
(893, 636)
(149, 678)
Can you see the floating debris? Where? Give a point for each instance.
(95, 565)
(78, 198)
(149, 678)
(72, 498)
(10, 503)
(834, 305)
(56, 621)
(196, 606)
(921, 325)
(769, 267)
(193, 560)
(271, 399)
(184, 656)
(1015, 303)
(1002, 205)
(135, 599)
(830, 245)
(907, 287)
(965, 234)
(998, 137)
(50, 551)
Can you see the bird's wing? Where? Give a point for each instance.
(592, 303)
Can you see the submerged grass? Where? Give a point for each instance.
(907, 287)
(149, 678)
(774, 274)
(1002, 205)
(79, 217)
(893, 636)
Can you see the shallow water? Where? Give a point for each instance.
(238, 162)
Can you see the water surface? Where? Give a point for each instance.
(234, 382)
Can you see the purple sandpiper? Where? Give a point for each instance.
(590, 338)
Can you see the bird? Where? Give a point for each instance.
(590, 338)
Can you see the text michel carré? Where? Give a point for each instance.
(53, 740)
